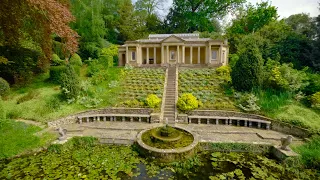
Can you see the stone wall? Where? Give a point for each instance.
(73, 118)
(275, 125)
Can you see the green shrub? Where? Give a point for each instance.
(3, 113)
(187, 102)
(53, 104)
(310, 153)
(75, 60)
(315, 100)
(4, 87)
(314, 84)
(153, 101)
(56, 61)
(56, 72)
(99, 77)
(286, 78)
(70, 84)
(247, 72)
(248, 103)
(94, 67)
(224, 73)
(30, 95)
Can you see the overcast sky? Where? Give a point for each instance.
(285, 7)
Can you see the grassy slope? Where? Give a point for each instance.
(17, 137)
(36, 109)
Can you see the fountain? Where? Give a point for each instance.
(168, 143)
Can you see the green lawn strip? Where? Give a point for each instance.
(18, 137)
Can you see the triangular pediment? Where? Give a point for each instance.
(172, 39)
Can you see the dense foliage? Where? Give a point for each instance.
(153, 100)
(187, 102)
(4, 87)
(75, 60)
(70, 84)
(247, 72)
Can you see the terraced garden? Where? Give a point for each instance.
(207, 87)
(139, 83)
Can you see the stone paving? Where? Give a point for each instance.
(208, 133)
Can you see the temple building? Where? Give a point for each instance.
(174, 49)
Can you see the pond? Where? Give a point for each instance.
(82, 158)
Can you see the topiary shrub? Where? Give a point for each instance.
(315, 100)
(4, 87)
(56, 61)
(75, 60)
(247, 72)
(70, 84)
(153, 101)
(187, 102)
(224, 73)
(56, 72)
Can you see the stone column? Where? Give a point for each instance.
(178, 55)
(199, 55)
(210, 54)
(183, 54)
(206, 56)
(154, 55)
(220, 54)
(162, 54)
(190, 54)
(127, 54)
(168, 56)
(147, 55)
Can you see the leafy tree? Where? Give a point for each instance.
(247, 72)
(37, 20)
(196, 15)
(150, 6)
(302, 24)
(75, 60)
(253, 18)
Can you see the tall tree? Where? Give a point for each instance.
(196, 15)
(30, 24)
(150, 6)
(252, 18)
(302, 24)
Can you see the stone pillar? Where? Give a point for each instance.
(238, 123)
(230, 122)
(154, 55)
(199, 121)
(104, 118)
(147, 55)
(98, 118)
(162, 54)
(208, 121)
(250, 124)
(131, 119)
(207, 55)
(220, 54)
(267, 126)
(88, 119)
(168, 55)
(210, 54)
(217, 121)
(259, 125)
(123, 119)
(190, 54)
(80, 120)
(139, 119)
(178, 55)
(127, 54)
(183, 54)
(199, 55)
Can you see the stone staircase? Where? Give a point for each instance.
(170, 98)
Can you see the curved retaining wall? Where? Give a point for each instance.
(73, 118)
(275, 125)
(167, 155)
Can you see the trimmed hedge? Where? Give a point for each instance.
(75, 60)
(4, 87)
(57, 71)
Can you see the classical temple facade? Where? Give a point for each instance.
(174, 49)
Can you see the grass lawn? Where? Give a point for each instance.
(40, 93)
(204, 84)
(18, 137)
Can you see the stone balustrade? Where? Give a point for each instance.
(238, 121)
(114, 117)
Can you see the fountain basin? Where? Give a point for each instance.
(170, 153)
